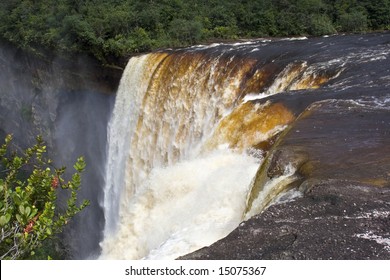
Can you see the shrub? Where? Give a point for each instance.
(29, 185)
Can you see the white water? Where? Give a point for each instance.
(271, 190)
(165, 195)
(156, 209)
(184, 207)
(121, 127)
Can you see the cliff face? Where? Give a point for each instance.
(32, 86)
(68, 102)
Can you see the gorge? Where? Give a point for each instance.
(273, 147)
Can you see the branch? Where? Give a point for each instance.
(15, 247)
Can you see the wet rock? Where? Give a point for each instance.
(283, 157)
(344, 212)
(335, 220)
(67, 100)
(34, 87)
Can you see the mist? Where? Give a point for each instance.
(81, 130)
(68, 103)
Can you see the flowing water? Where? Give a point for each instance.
(185, 132)
(170, 191)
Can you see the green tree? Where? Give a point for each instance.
(29, 211)
(353, 22)
(321, 25)
(378, 13)
(186, 31)
(112, 29)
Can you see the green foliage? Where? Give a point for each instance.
(378, 13)
(321, 25)
(29, 186)
(353, 22)
(185, 31)
(117, 28)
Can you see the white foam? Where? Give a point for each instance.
(184, 207)
(271, 190)
(288, 196)
(294, 39)
(120, 131)
(384, 241)
(255, 96)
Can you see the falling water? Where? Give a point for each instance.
(173, 197)
(121, 129)
(180, 167)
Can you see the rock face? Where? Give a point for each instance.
(334, 220)
(33, 87)
(68, 102)
(341, 152)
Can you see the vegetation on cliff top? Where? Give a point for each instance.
(110, 29)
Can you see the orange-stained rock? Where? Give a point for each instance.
(250, 124)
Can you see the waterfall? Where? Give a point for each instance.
(160, 185)
(180, 157)
(131, 90)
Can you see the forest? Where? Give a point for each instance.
(111, 29)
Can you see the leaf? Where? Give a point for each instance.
(21, 209)
(33, 213)
(27, 211)
(17, 162)
(17, 199)
(3, 221)
(80, 164)
(8, 138)
(19, 218)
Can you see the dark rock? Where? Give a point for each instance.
(67, 100)
(33, 86)
(336, 220)
(343, 162)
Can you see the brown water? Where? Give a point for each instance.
(188, 126)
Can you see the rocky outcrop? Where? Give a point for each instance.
(341, 151)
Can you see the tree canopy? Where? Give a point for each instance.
(116, 28)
